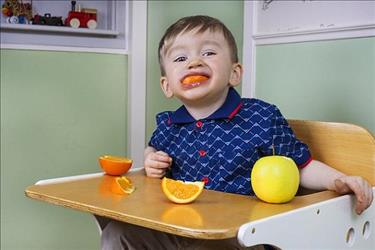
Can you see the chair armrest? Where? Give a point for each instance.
(67, 178)
(75, 177)
(329, 224)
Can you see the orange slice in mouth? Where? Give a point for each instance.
(194, 79)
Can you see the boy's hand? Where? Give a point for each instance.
(157, 163)
(357, 185)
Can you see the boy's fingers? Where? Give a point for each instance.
(155, 172)
(361, 205)
(360, 188)
(161, 153)
(160, 165)
(162, 156)
(157, 164)
(366, 199)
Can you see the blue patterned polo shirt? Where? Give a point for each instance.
(222, 148)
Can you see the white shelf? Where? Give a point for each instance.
(317, 34)
(302, 21)
(58, 29)
(110, 36)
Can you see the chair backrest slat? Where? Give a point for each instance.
(346, 147)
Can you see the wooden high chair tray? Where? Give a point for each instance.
(214, 215)
(305, 222)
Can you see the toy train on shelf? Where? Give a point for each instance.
(18, 12)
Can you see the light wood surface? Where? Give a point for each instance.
(346, 147)
(214, 215)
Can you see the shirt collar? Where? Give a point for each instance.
(230, 107)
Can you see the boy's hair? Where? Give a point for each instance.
(189, 23)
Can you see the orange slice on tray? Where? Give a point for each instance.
(193, 79)
(122, 185)
(181, 192)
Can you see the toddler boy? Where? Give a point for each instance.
(217, 136)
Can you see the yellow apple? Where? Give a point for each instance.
(275, 179)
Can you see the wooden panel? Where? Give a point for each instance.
(346, 147)
(215, 215)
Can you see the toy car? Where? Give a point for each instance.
(84, 19)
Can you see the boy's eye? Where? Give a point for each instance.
(180, 59)
(209, 53)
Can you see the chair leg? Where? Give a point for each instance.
(101, 222)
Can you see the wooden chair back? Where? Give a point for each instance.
(346, 147)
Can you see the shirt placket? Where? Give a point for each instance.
(202, 149)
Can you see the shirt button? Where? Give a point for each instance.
(199, 124)
(205, 180)
(202, 153)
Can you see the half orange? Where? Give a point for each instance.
(114, 165)
(181, 192)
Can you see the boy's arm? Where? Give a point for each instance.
(156, 162)
(319, 176)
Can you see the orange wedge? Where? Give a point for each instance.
(114, 165)
(122, 185)
(194, 79)
(181, 192)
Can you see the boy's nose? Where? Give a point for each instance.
(195, 63)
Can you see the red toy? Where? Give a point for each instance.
(83, 19)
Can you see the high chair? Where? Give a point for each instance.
(312, 220)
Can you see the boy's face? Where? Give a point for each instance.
(206, 54)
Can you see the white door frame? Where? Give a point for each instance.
(136, 131)
(248, 51)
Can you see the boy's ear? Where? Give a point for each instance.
(164, 84)
(236, 75)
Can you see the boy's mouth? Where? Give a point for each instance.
(192, 81)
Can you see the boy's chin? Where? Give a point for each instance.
(196, 98)
(203, 93)
(192, 98)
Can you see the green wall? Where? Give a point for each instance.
(161, 14)
(59, 112)
(325, 80)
